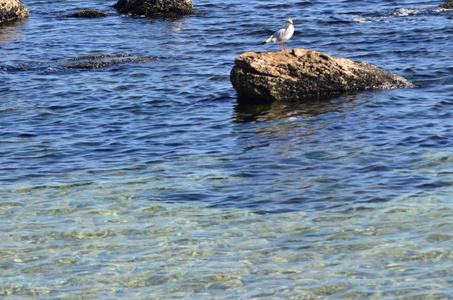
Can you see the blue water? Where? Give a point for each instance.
(150, 180)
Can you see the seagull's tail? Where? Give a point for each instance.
(263, 43)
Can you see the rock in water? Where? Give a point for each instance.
(448, 5)
(89, 13)
(151, 8)
(11, 10)
(300, 74)
(103, 60)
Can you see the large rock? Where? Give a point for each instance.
(448, 5)
(11, 10)
(152, 8)
(300, 74)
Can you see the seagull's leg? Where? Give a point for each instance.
(283, 46)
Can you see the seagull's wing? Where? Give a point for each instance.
(276, 37)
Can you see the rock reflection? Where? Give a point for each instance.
(290, 111)
(10, 32)
(284, 125)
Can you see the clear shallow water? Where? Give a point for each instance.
(150, 180)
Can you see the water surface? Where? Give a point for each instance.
(149, 180)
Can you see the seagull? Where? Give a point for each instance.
(282, 35)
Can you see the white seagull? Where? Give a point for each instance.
(282, 35)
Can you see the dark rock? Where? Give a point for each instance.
(103, 60)
(300, 74)
(11, 10)
(96, 61)
(89, 13)
(150, 8)
(448, 5)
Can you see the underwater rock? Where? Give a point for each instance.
(95, 61)
(301, 73)
(11, 10)
(89, 13)
(448, 5)
(103, 60)
(150, 8)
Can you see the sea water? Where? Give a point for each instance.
(150, 180)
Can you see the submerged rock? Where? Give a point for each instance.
(11, 10)
(300, 74)
(448, 5)
(89, 13)
(103, 60)
(96, 61)
(151, 8)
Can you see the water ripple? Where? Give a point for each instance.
(143, 179)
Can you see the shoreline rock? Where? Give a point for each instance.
(11, 10)
(301, 73)
(152, 8)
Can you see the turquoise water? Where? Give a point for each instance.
(149, 179)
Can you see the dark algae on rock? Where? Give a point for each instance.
(300, 74)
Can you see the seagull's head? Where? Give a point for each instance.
(289, 22)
